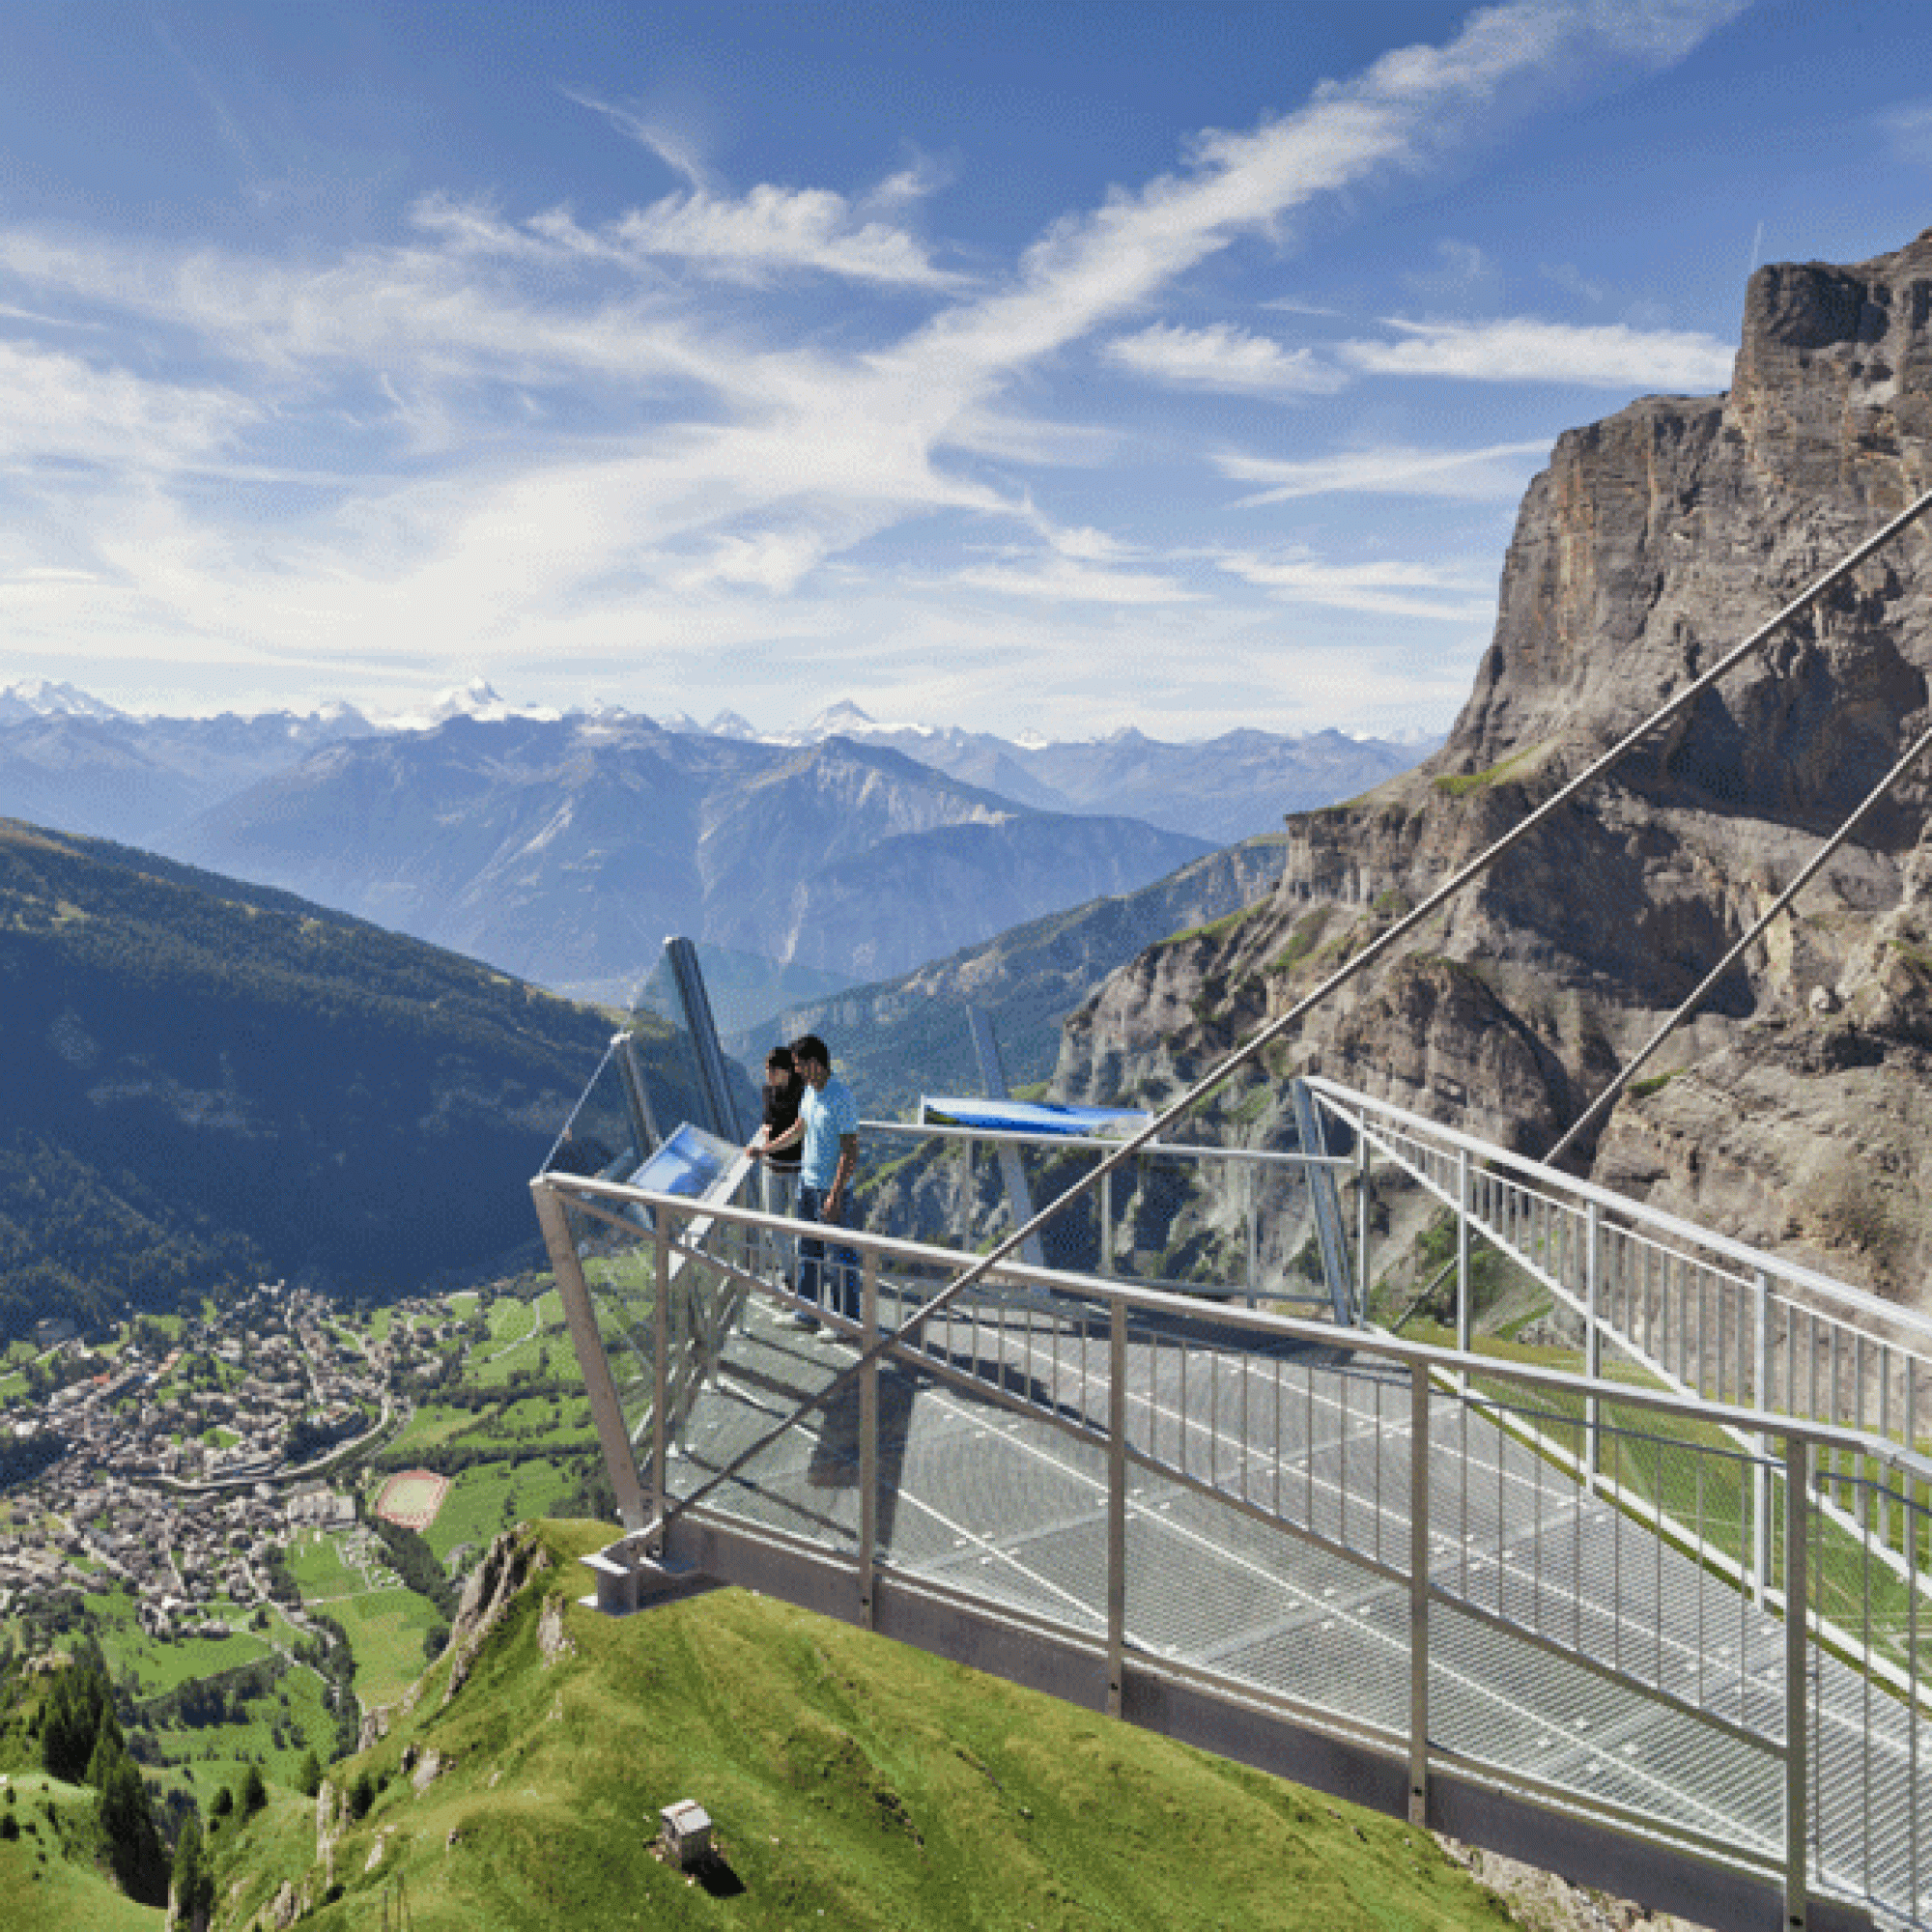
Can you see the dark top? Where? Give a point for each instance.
(781, 1114)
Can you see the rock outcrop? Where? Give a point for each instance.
(1654, 542)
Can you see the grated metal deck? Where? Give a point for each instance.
(1268, 1553)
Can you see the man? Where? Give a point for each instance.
(828, 1125)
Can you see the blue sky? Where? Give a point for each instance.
(1046, 367)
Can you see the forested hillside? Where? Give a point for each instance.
(202, 1081)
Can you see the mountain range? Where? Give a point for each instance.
(564, 846)
(564, 850)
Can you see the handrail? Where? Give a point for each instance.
(1755, 1259)
(1097, 1144)
(1423, 1355)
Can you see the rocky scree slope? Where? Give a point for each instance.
(1654, 542)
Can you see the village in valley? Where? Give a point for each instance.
(230, 1506)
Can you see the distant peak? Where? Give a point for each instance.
(728, 724)
(42, 697)
(845, 716)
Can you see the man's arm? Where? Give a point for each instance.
(848, 1161)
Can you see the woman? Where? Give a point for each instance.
(784, 1090)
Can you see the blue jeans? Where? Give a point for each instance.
(840, 1270)
(779, 1189)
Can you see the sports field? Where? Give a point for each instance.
(411, 1498)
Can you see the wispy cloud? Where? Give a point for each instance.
(1061, 581)
(61, 409)
(1463, 274)
(676, 150)
(560, 447)
(751, 238)
(1444, 593)
(1611, 355)
(1568, 276)
(1225, 359)
(1492, 474)
(1907, 132)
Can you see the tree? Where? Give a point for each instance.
(193, 1878)
(308, 1779)
(134, 1847)
(254, 1792)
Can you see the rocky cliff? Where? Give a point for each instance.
(1795, 1113)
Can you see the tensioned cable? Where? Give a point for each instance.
(1351, 969)
(1608, 1099)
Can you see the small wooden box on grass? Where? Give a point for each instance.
(685, 1833)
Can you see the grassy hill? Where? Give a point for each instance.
(853, 1783)
(204, 1081)
(50, 1873)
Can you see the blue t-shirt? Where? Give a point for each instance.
(828, 1113)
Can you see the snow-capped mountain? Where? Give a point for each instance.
(40, 697)
(475, 700)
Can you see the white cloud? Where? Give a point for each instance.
(677, 151)
(1611, 355)
(1492, 474)
(749, 239)
(774, 228)
(1463, 274)
(1066, 580)
(1439, 593)
(1907, 130)
(1446, 593)
(709, 463)
(1224, 358)
(57, 406)
(1568, 276)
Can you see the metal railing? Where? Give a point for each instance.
(1659, 1300)
(1244, 1222)
(1511, 1586)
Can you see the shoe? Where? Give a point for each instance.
(809, 1322)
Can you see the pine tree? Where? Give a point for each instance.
(308, 1779)
(193, 1878)
(134, 1846)
(254, 1792)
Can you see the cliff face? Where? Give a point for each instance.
(1655, 541)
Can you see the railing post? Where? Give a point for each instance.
(1253, 1233)
(1362, 1227)
(868, 1436)
(1418, 1596)
(1761, 1469)
(1107, 1223)
(1593, 1344)
(661, 1376)
(606, 1410)
(1796, 1816)
(1117, 1506)
(1464, 1321)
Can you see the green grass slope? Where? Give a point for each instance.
(853, 1783)
(51, 1874)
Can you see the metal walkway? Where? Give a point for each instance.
(1201, 1517)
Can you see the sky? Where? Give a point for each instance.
(1040, 368)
